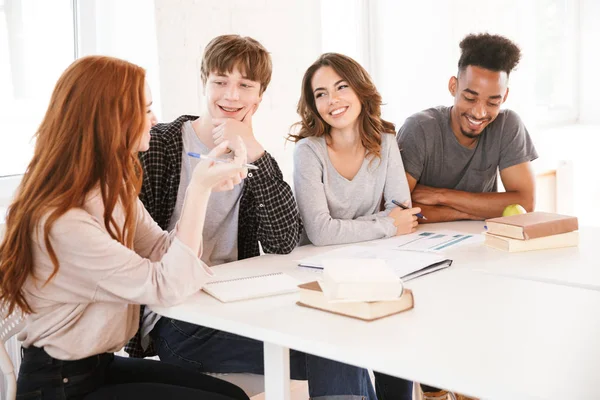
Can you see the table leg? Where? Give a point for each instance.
(277, 372)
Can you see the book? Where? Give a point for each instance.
(251, 287)
(406, 264)
(311, 295)
(532, 225)
(569, 239)
(360, 280)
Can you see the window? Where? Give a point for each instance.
(36, 45)
(556, 61)
(38, 40)
(411, 50)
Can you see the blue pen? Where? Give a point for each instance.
(419, 215)
(196, 155)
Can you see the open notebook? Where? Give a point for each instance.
(406, 264)
(251, 287)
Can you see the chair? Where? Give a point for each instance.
(251, 384)
(254, 385)
(8, 328)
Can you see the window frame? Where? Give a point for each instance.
(10, 182)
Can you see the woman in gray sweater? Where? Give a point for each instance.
(347, 166)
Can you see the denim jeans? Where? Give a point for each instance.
(209, 350)
(392, 388)
(105, 376)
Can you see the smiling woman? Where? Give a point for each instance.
(78, 208)
(345, 150)
(334, 80)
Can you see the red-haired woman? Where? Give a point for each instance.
(81, 253)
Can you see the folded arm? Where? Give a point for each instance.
(518, 182)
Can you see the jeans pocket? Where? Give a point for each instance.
(84, 376)
(35, 395)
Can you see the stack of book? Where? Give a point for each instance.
(357, 288)
(532, 231)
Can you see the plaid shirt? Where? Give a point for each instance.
(268, 211)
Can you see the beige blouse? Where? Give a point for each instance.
(91, 305)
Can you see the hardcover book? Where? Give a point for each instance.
(312, 296)
(532, 225)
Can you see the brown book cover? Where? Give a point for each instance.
(569, 239)
(532, 225)
(312, 296)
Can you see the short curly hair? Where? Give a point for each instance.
(493, 52)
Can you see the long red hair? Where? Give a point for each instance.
(87, 139)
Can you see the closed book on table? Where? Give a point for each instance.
(360, 280)
(312, 296)
(569, 239)
(532, 225)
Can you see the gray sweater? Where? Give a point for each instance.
(336, 210)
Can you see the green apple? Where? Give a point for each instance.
(513, 209)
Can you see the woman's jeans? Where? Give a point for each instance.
(105, 376)
(209, 350)
(392, 388)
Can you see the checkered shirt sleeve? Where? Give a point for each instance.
(268, 212)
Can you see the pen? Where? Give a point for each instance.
(419, 215)
(196, 155)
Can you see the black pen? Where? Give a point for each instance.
(419, 215)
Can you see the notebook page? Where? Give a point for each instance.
(251, 287)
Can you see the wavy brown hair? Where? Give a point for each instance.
(88, 139)
(371, 125)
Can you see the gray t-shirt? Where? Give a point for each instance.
(434, 157)
(219, 238)
(336, 210)
(220, 234)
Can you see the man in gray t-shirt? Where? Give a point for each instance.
(452, 155)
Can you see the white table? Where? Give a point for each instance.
(476, 333)
(571, 266)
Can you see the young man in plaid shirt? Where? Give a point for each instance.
(235, 73)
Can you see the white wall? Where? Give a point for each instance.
(290, 30)
(577, 144)
(123, 29)
(416, 48)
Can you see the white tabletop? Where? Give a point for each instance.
(481, 334)
(572, 266)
